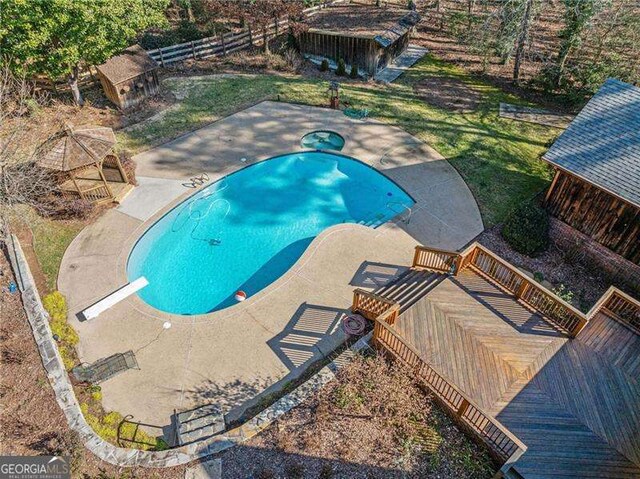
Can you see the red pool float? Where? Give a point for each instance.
(240, 296)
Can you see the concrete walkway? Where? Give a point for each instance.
(401, 64)
(233, 356)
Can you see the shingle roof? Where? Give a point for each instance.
(602, 144)
(77, 148)
(132, 62)
(366, 21)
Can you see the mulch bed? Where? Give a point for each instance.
(448, 93)
(558, 266)
(374, 421)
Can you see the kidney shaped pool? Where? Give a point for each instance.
(247, 229)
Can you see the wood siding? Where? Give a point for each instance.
(366, 53)
(607, 219)
(132, 91)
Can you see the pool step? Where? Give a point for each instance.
(199, 423)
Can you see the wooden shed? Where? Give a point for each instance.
(365, 35)
(130, 77)
(596, 187)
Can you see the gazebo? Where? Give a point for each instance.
(87, 165)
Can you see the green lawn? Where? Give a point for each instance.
(498, 158)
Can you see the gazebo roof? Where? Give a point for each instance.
(77, 148)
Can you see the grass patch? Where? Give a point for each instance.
(50, 241)
(498, 158)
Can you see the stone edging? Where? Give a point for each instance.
(66, 398)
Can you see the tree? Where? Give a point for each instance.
(260, 13)
(21, 180)
(57, 38)
(577, 17)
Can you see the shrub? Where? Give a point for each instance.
(527, 229)
(341, 70)
(129, 167)
(324, 66)
(354, 71)
(564, 293)
(67, 208)
(56, 306)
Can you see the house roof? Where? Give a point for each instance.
(133, 61)
(366, 21)
(602, 143)
(74, 149)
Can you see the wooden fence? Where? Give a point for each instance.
(621, 307)
(227, 43)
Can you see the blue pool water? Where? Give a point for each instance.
(244, 231)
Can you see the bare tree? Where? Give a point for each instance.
(22, 181)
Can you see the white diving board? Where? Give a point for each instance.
(114, 298)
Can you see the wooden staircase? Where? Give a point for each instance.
(410, 286)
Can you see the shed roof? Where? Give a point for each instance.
(365, 21)
(602, 143)
(74, 149)
(132, 62)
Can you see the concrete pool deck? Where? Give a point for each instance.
(231, 356)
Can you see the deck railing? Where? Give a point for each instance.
(371, 306)
(97, 193)
(435, 259)
(621, 307)
(545, 302)
(501, 442)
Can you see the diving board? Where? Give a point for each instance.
(114, 298)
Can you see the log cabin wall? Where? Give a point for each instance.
(602, 216)
(358, 50)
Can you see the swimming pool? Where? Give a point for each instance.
(246, 230)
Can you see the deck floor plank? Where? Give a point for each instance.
(573, 402)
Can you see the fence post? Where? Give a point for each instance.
(276, 21)
(224, 45)
(193, 50)
(250, 36)
(161, 57)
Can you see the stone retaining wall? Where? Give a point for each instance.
(66, 398)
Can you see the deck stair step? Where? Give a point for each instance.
(410, 286)
(199, 423)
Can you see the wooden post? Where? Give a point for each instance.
(463, 408)
(161, 57)
(104, 180)
(276, 23)
(224, 45)
(193, 51)
(550, 190)
(250, 36)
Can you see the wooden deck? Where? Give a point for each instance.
(573, 402)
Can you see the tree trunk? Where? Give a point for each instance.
(522, 39)
(562, 62)
(73, 84)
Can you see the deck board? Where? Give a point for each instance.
(573, 402)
